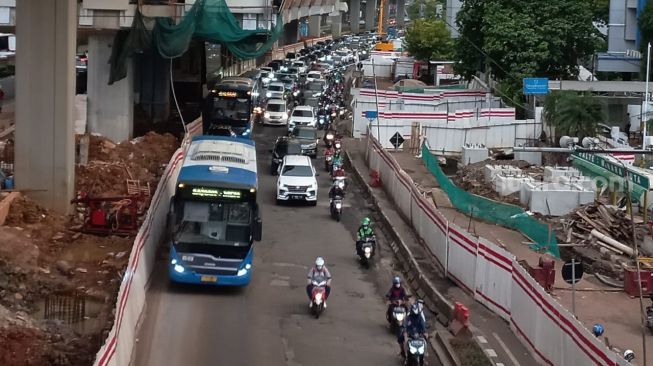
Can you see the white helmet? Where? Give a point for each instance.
(319, 262)
(629, 355)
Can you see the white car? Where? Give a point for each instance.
(276, 112)
(313, 75)
(302, 115)
(300, 65)
(297, 180)
(276, 90)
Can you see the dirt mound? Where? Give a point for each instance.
(43, 256)
(110, 165)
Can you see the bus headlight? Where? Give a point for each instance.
(179, 268)
(243, 271)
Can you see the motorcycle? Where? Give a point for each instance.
(328, 160)
(328, 138)
(336, 208)
(416, 350)
(367, 251)
(398, 311)
(649, 318)
(318, 298)
(322, 122)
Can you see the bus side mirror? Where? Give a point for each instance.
(258, 229)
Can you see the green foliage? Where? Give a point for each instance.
(573, 114)
(428, 8)
(646, 25)
(601, 11)
(428, 40)
(543, 38)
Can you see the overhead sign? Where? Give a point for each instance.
(396, 140)
(572, 271)
(536, 86)
(613, 167)
(371, 114)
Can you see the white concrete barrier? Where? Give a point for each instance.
(493, 276)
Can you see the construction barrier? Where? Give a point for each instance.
(492, 275)
(119, 345)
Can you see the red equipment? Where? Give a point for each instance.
(111, 215)
(544, 273)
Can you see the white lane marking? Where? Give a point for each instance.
(490, 352)
(481, 339)
(280, 283)
(498, 364)
(506, 350)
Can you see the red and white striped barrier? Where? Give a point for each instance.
(493, 276)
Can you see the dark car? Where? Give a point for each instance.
(307, 136)
(304, 51)
(284, 145)
(275, 64)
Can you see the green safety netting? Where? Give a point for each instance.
(209, 20)
(506, 215)
(212, 21)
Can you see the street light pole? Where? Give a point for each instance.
(376, 96)
(645, 107)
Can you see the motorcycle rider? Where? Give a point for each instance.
(414, 324)
(397, 292)
(336, 190)
(364, 231)
(337, 160)
(597, 329)
(318, 273)
(629, 355)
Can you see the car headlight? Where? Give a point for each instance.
(179, 268)
(266, 80)
(266, 115)
(268, 94)
(284, 116)
(311, 146)
(295, 93)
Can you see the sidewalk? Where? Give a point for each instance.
(595, 302)
(492, 333)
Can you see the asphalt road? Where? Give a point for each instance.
(268, 322)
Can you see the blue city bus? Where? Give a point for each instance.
(214, 217)
(230, 106)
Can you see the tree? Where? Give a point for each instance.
(573, 114)
(423, 9)
(428, 40)
(601, 11)
(534, 38)
(645, 21)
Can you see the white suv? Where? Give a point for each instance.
(276, 112)
(297, 180)
(302, 115)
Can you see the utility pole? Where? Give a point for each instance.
(645, 106)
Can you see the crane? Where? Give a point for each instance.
(383, 45)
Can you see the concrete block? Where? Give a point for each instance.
(473, 154)
(533, 157)
(506, 184)
(551, 173)
(492, 170)
(554, 199)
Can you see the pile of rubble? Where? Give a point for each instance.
(601, 233)
(44, 256)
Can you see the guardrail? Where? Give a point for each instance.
(119, 345)
(492, 275)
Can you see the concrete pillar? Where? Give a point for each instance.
(370, 15)
(110, 107)
(152, 85)
(355, 15)
(401, 9)
(45, 79)
(336, 25)
(314, 25)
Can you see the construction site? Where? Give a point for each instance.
(60, 274)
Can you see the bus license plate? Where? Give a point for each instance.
(209, 279)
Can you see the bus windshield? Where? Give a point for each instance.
(231, 109)
(215, 223)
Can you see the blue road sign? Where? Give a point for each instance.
(539, 86)
(371, 114)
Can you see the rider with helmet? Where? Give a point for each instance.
(364, 231)
(337, 189)
(318, 273)
(414, 325)
(629, 355)
(598, 330)
(396, 293)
